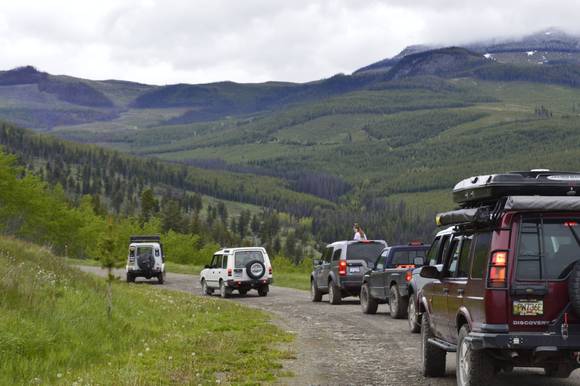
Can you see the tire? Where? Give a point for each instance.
(334, 295)
(558, 371)
(263, 291)
(368, 304)
(432, 357)
(397, 303)
(474, 367)
(130, 278)
(225, 292)
(243, 292)
(205, 290)
(255, 275)
(413, 318)
(315, 294)
(574, 288)
(161, 278)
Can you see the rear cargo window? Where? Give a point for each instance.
(547, 248)
(480, 254)
(244, 257)
(364, 251)
(406, 257)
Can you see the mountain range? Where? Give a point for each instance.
(403, 129)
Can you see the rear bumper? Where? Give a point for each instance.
(249, 284)
(524, 341)
(352, 286)
(144, 272)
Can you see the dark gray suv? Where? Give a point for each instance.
(340, 271)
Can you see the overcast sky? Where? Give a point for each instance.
(197, 41)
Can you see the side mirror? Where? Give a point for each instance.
(429, 272)
(316, 262)
(207, 266)
(419, 261)
(371, 265)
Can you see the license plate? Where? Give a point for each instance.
(354, 269)
(528, 307)
(237, 274)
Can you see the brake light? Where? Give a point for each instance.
(408, 276)
(498, 270)
(342, 267)
(230, 272)
(270, 270)
(570, 224)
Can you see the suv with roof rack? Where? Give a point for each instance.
(340, 271)
(508, 293)
(239, 269)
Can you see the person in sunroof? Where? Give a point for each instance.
(359, 233)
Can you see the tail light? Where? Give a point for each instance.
(408, 276)
(342, 267)
(270, 270)
(497, 277)
(230, 272)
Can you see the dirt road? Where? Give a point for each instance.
(341, 345)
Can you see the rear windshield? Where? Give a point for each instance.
(364, 251)
(144, 251)
(244, 257)
(547, 248)
(408, 256)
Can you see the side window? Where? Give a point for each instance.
(452, 257)
(463, 268)
(214, 261)
(327, 254)
(433, 252)
(225, 261)
(400, 258)
(336, 255)
(381, 260)
(481, 253)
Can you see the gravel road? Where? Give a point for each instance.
(340, 345)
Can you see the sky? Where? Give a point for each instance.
(198, 41)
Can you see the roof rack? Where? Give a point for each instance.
(145, 239)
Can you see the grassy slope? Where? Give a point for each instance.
(54, 330)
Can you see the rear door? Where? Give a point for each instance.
(323, 269)
(377, 276)
(547, 248)
(457, 283)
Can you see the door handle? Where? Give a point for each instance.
(461, 291)
(445, 290)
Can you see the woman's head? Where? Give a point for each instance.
(357, 228)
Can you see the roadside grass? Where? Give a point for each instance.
(54, 330)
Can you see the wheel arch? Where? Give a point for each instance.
(463, 317)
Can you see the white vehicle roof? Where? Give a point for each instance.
(226, 251)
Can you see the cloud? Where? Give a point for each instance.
(251, 40)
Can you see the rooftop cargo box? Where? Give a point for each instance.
(489, 188)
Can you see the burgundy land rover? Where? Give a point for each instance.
(509, 291)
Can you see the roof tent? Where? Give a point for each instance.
(145, 239)
(489, 188)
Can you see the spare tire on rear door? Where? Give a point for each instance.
(146, 262)
(574, 288)
(255, 269)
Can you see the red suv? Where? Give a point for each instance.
(509, 290)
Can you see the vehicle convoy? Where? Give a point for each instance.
(340, 270)
(145, 259)
(388, 280)
(508, 294)
(240, 269)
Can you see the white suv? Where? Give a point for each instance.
(240, 269)
(145, 259)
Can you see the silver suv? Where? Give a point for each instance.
(240, 269)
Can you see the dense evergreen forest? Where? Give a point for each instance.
(86, 185)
